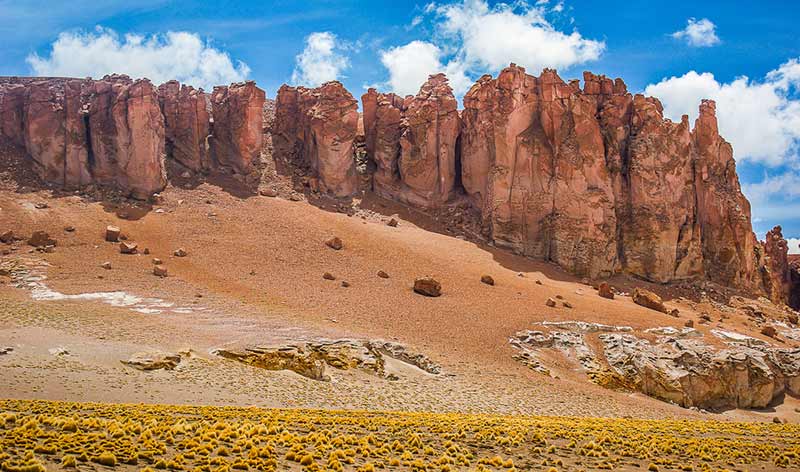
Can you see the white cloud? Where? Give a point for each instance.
(760, 118)
(177, 55)
(410, 65)
(698, 33)
(321, 61)
(473, 38)
(794, 245)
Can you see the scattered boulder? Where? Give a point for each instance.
(392, 222)
(153, 360)
(334, 243)
(566, 304)
(428, 286)
(383, 274)
(487, 279)
(128, 248)
(550, 302)
(180, 252)
(345, 283)
(7, 237)
(328, 276)
(106, 265)
(157, 261)
(5, 350)
(269, 192)
(648, 299)
(770, 331)
(113, 234)
(605, 291)
(689, 324)
(69, 229)
(41, 239)
(160, 271)
(675, 313)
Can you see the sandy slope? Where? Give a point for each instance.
(254, 270)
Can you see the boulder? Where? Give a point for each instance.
(382, 274)
(328, 276)
(550, 302)
(128, 248)
(180, 252)
(648, 299)
(41, 239)
(159, 270)
(113, 234)
(487, 279)
(605, 291)
(7, 237)
(428, 286)
(334, 243)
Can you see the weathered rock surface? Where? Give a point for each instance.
(777, 277)
(428, 286)
(315, 128)
(187, 123)
(413, 143)
(678, 367)
(237, 130)
(80, 131)
(310, 359)
(153, 360)
(648, 299)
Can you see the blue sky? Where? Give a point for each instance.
(744, 54)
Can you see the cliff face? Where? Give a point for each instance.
(117, 132)
(593, 179)
(315, 128)
(413, 143)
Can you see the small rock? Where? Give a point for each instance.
(186, 175)
(648, 299)
(559, 297)
(156, 199)
(328, 276)
(538, 282)
(41, 239)
(106, 265)
(427, 286)
(112, 234)
(334, 243)
(550, 302)
(345, 283)
(776, 420)
(180, 252)
(41, 206)
(69, 229)
(7, 237)
(157, 261)
(566, 304)
(705, 317)
(269, 192)
(146, 251)
(127, 248)
(675, 313)
(605, 291)
(153, 361)
(769, 331)
(383, 274)
(792, 318)
(689, 324)
(5, 350)
(392, 222)
(295, 197)
(160, 271)
(487, 279)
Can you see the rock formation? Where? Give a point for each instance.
(315, 128)
(777, 276)
(80, 131)
(237, 131)
(413, 143)
(187, 120)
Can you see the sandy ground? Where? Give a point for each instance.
(253, 274)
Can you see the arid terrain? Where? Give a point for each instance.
(274, 283)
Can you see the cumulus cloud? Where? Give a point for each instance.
(794, 245)
(321, 61)
(410, 65)
(698, 33)
(473, 38)
(775, 197)
(177, 55)
(760, 118)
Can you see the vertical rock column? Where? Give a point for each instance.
(237, 130)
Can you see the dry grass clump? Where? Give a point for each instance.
(39, 435)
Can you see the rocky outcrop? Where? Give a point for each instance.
(413, 143)
(310, 359)
(237, 130)
(777, 276)
(678, 367)
(79, 131)
(153, 360)
(315, 129)
(187, 121)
